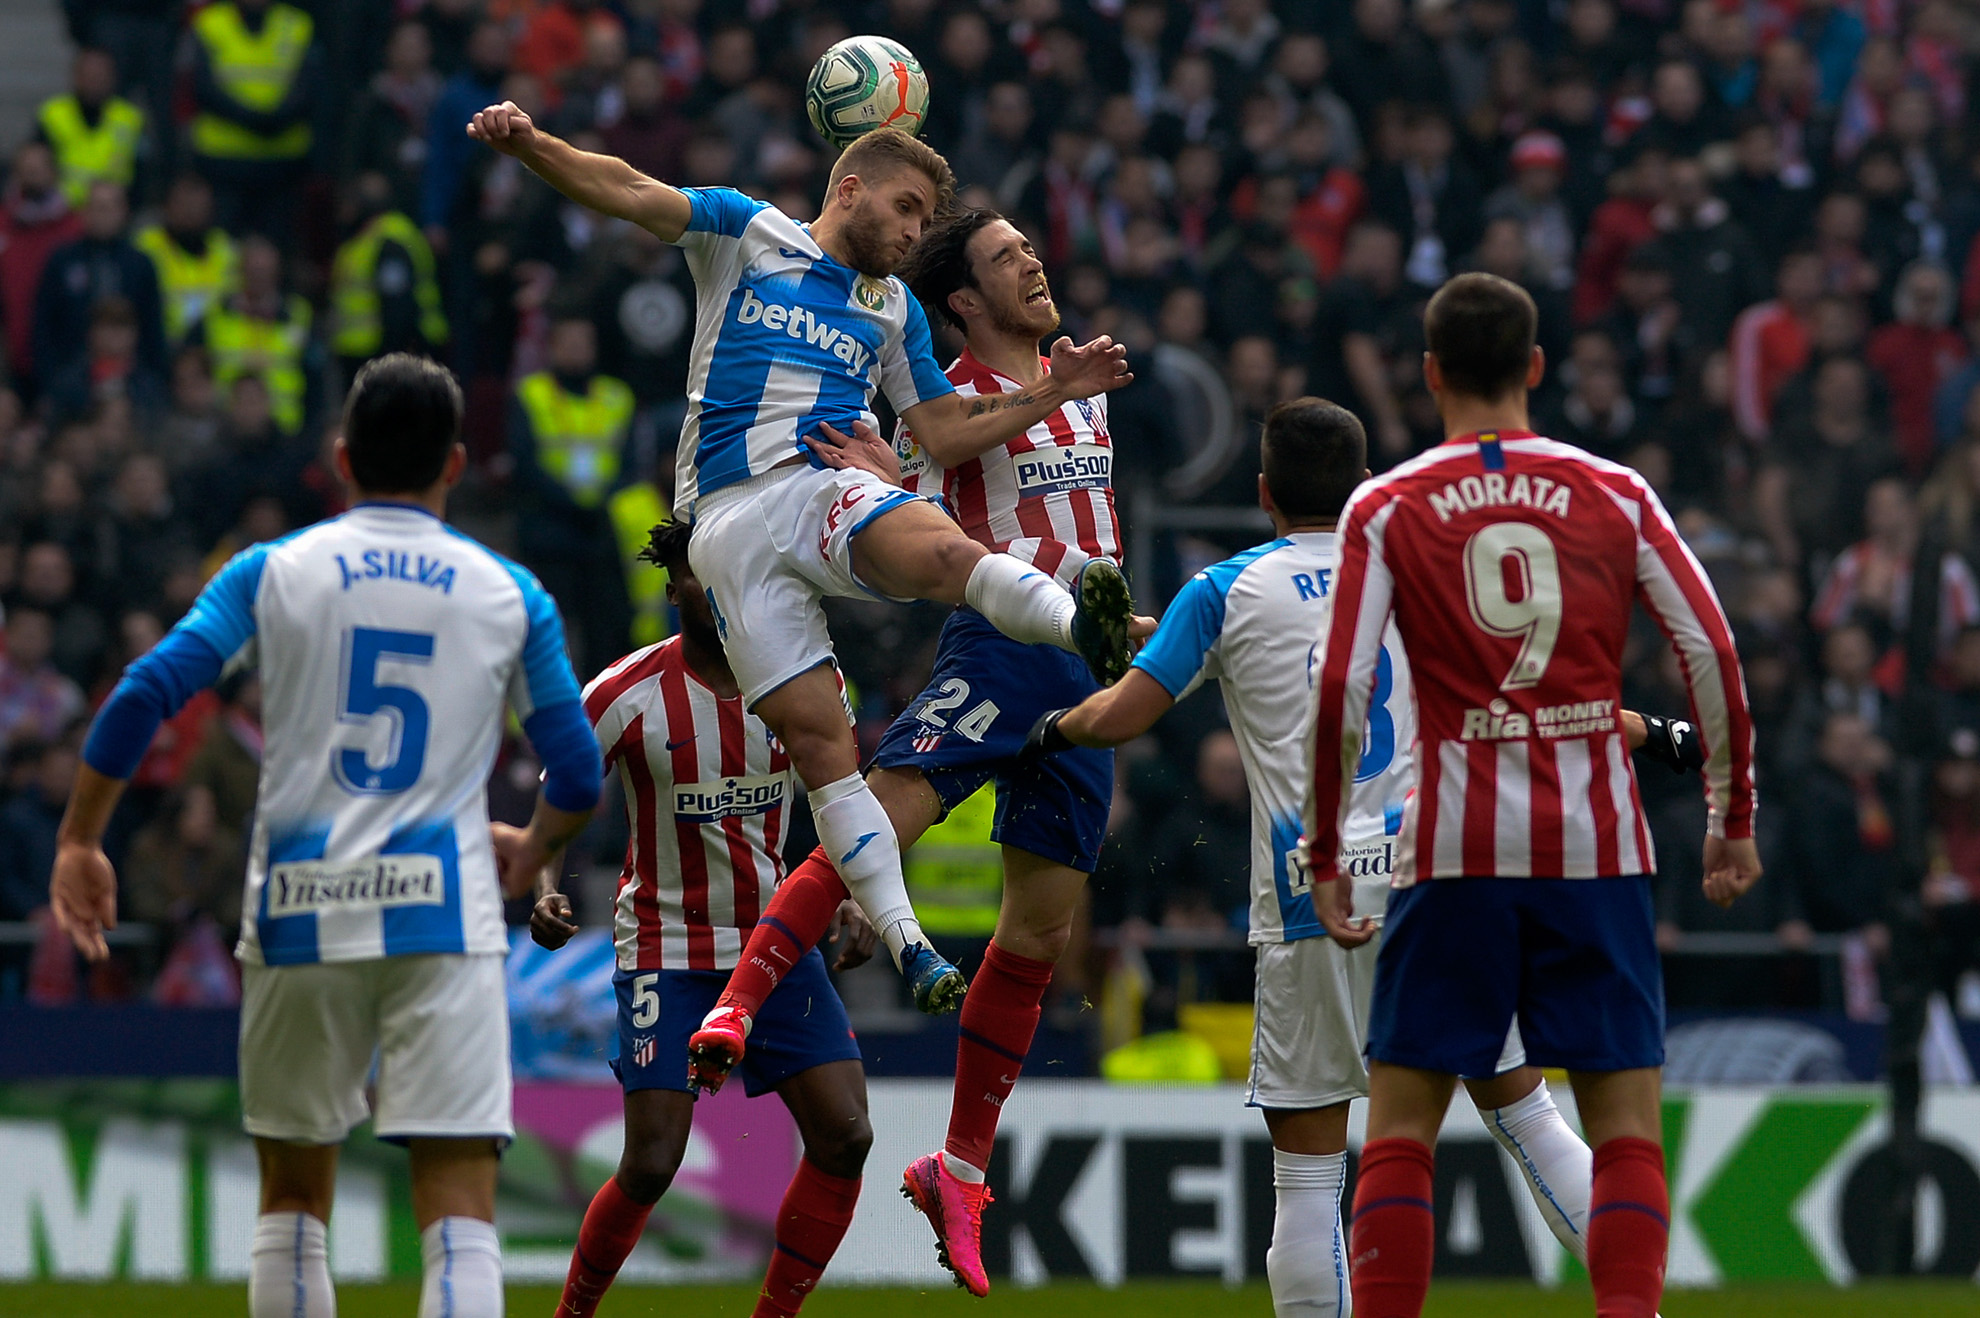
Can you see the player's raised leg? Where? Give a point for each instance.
(916, 551)
(796, 921)
(808, 714)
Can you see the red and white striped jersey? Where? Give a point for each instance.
(1509, 564)
(1046, 497)
(708, 797)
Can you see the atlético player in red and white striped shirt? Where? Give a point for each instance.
(708, 797)
(1510, 565)
(1046, 497)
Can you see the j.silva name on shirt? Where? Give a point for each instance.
(396, 565)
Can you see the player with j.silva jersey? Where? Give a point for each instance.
(388, 645)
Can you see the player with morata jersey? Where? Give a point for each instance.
(1248, 622)
(388, 644)
(1510, 565)
(1045, 497)
(709, 794)
(797, 326)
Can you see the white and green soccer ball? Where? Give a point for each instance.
(864, 83)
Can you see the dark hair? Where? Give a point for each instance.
(938, 265)
(1314, 453)
(667, 546)
(1480, 329)
(401, 421)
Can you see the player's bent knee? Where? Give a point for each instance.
(842, 1153)
(645, 1174)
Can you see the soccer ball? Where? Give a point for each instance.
(865, 83)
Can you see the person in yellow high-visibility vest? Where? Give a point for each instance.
(955, 873)
(95, 133)
(568, 429)
(260, 331)
(384, 295)
(255, 72)
(635, 511)
(198, 264)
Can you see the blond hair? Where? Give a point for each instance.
(885, 152)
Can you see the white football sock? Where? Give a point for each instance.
(1559, 1169)
(463, 1258)
(1020, 601)
(289, 1268)
(1307, 1263)
(968, 1173)
(860, 840)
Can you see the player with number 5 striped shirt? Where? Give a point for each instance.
(1510, 565)
(709, 794)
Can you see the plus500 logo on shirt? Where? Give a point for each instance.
(1057, 470)
(801, 324)
(705, 803)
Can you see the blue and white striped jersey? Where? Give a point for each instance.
(388, 644)
(785, 339)
(1251, 622)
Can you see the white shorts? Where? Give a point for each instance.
(768, 549)
(437, 1026)
(1310, 1025)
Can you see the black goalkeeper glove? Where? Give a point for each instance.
(1672, 742)
(1045, 737)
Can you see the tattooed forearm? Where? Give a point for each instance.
(998, 402)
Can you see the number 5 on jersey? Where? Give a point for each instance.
(365, 698)
(1502, 558)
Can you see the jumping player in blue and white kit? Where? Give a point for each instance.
(388, 645)
(797, 327)
(1249, 622)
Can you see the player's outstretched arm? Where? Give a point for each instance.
(1104, 719)
(954, 429)
(82, 890)
(606, 184)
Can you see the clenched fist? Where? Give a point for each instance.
(504, 127)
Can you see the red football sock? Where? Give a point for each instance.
(611, 1228)
(998, 1019)
(1394, 1233)
(790, 926)
(811, 1222)
(1629, 1227)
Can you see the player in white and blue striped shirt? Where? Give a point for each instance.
(796, 328)
(388, 645)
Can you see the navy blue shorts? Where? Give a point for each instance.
(969, 723)
(802, 1024)
(1574, 959)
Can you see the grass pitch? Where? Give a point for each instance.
(1178, 1300)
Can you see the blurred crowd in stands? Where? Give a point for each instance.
(1750, 227)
